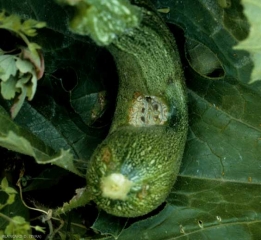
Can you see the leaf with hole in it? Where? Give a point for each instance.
(203, 60)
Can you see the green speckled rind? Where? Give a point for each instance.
(148, 64)
(147, 156)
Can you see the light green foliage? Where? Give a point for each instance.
(22, 28)
(19, 71)
(7, 67)
(17, 225)
(11, 192)
(104, 20)
(252, 10)
(39, 229)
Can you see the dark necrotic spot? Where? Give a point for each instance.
(156, 107)
(142, 119)
(148, 99)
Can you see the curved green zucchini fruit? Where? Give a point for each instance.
(133, 170)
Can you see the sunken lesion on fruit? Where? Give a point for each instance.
(143, 192)
(106, 155)
(106, 158)
(148, 110)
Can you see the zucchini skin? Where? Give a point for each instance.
(133, 170)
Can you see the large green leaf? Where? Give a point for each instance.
(204, 209)
(217, 192)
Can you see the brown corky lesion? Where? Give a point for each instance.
(147, 111)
